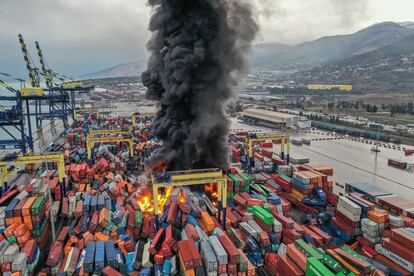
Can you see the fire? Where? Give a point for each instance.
(163, 198)
(212, 190)
(146, 203)
(182, 198)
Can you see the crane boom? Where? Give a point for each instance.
(47, 73)
(12, 77)
(33, 72)
(8, 87)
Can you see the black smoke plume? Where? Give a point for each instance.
(198, 51)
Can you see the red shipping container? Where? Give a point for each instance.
(232, 252)
(288, 267)
(297, 256)
(400, 249)
(387, 262)
(400, 236)
(253, 202)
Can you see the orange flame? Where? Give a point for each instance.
(182, 198)
(212, 190)
(146, 202)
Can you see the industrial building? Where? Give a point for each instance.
(341, 87)
(274, 119)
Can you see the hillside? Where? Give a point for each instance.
(131, 69)
(328, 49)
(324, 59)
(388, 68)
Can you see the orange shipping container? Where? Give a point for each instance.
(208, 222)
(27, 206)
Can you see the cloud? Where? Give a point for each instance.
(77, 36)
(84, 36)
(293, 22)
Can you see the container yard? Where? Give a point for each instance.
(262, 216)
(164, 180)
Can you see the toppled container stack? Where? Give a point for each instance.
(280, 219)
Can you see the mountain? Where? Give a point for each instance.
(328, 49)
(131, 69)
(388, 68)
(290, 59)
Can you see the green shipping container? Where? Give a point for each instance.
(359, 256)
(316, 268)
(248, 180)
(138, 219)
(242, 265)
(330, 262)
(262, 214)
(307, 250)
(12, 239)
(234, 178)
(37, 205)
(268, 191)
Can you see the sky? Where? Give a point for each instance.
(85, 36)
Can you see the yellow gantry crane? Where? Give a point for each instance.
(87, 110)
(93, 132)
(254, 137)
(7, 167)
(190, 178)
(91, 141)
(141, 115)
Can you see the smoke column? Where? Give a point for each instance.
(198, 51)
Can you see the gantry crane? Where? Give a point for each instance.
(253, 137)
(94, 132)
(7, 167)
(141, 116)
(12, 119)
(56, 99)
(91, 141)
(66, 86)
(86, 110)
(190, 178)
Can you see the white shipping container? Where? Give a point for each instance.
(10, 253)
(301, 177)
(19, 263)
(349, 205)
(218, 250)
(255, 226)
(348, 214)
(395, 258)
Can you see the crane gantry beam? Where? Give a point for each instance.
(6, 167)
(91, 141)
(252, 138)
(93, 132)
(190, 178)
(141, 115)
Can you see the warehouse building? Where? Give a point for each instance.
(273, 119)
